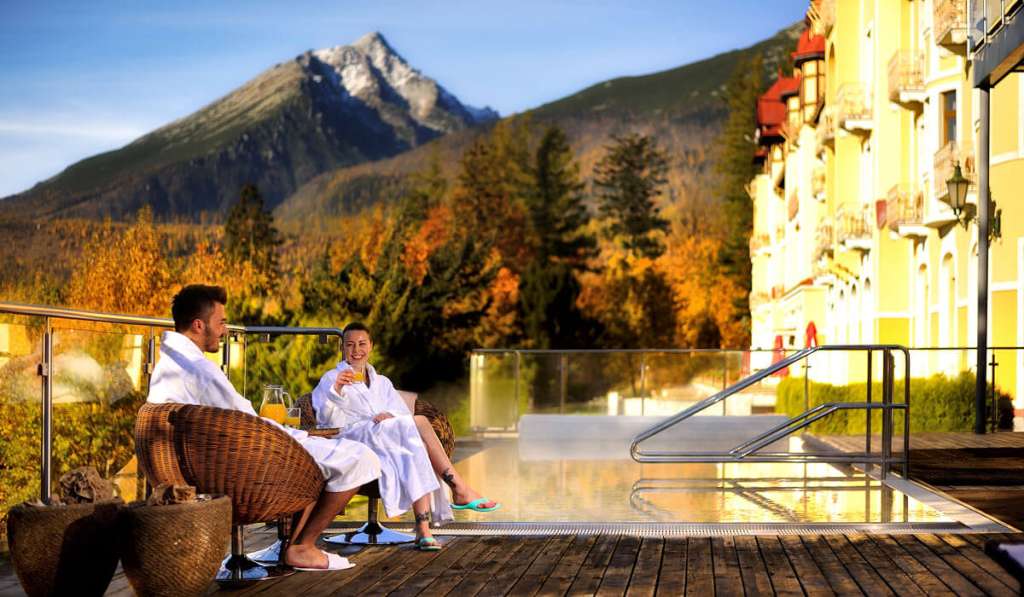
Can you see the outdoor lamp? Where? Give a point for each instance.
(957, 186)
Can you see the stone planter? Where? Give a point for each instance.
(174, 549)
(64, 550)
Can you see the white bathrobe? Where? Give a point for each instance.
(406, 472)
(184, 375)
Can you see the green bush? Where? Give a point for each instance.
(937, 403)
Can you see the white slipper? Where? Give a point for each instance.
(334, 562)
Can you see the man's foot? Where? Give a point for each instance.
(307, 557)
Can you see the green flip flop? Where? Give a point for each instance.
(427, 544)
(476, 507)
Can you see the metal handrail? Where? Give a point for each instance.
(46, 365)
(750, 450)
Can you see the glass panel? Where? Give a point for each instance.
(293, 361)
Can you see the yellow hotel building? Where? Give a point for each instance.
(854, 240)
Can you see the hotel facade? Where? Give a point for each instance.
(854, 240)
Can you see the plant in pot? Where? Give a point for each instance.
(69, 545)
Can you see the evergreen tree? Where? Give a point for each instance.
(735, 167)
(250, 237)
(557, 219)
(629, 179)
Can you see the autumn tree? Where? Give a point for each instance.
(629, 179)
(250, 237)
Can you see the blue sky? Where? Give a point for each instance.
(78, 78)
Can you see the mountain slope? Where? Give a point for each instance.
(324, 109)
(681, 107)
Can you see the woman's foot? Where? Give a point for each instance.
(464, 495)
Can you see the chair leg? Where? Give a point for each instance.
(238, 570)
(372, 532)
(272, 553)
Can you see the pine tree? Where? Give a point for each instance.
(250, 237)
(629, 179)
(549, 286)
(735, 168)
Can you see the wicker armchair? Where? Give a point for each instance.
(372, 532)
(266, 473)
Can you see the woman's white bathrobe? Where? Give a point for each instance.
(406, 472)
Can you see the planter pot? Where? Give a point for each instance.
(64, 550)
(175, 549)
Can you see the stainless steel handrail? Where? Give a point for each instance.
(45, 371)
(750, 450)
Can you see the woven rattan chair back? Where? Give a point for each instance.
(265, 472)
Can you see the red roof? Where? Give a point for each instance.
(809, 47)
(771, 110)
(790, 86)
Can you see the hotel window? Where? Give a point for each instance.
(948, 117)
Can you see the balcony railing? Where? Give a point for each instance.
(946, 160)
(853, 227)
(791, 131)
(818, 182)
(854, 107)
(759, 298)
(824, 236)
(904, 210)
(759, 242)
(826, 12)
(826, 131)
(906, 77)
(950, 24)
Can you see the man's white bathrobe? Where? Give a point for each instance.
(184, 375)
(406, 472)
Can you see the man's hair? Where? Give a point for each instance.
(356, 326)
(194, 302)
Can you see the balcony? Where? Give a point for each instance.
(853, 109)
(904, 211)
(818, 183)
(791, 132)
(853, 227)
(824, 236)
(906, 78)
(758, 298)
(759, 242)
(825, 17)
(950, 24)
(945, 161)
(826, 131)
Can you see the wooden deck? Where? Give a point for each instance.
(624, 565)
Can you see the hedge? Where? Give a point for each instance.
(937, 403)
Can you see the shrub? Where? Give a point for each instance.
(937, 403)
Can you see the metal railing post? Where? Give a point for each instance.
(867, 414)
(563, 379)
(995, 401)
(46, 444)
(888, 370)
(515, 391)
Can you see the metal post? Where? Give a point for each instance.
(867, 415)
(225, 364)
(563, 378)
(888, 371)
(906, 421)
(46, 447)
(643, 383)
(807, 386)
(994, 417)
(981, 386)
(515, 390)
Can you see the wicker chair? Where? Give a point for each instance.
(266, 473)
(372, 532)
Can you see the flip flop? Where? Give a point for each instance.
(334, 562)
(476, 507)
(427, 544)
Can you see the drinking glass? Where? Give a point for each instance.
(293, 418)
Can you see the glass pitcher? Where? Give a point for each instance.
(274, 406)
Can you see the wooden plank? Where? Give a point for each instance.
(394, 565)
(965, 566)
(832, 569)
(323, 583)
(784, 581)
(950, 577)
(755, 576)
(977, 556)
(514, 569)
(569, 565)
(726, 565)
(700, 574)
(672, 576)
(474, 572)
(404, 570)
(810, 576)
(864, 575)
(645, 574)
(922, 577)
(894, 576)
(620, 568)
(588, 579)
(453, 554)
(541, 567)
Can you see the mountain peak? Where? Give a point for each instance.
(372, 40)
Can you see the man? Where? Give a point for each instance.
(368, 409)
(184, 375)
